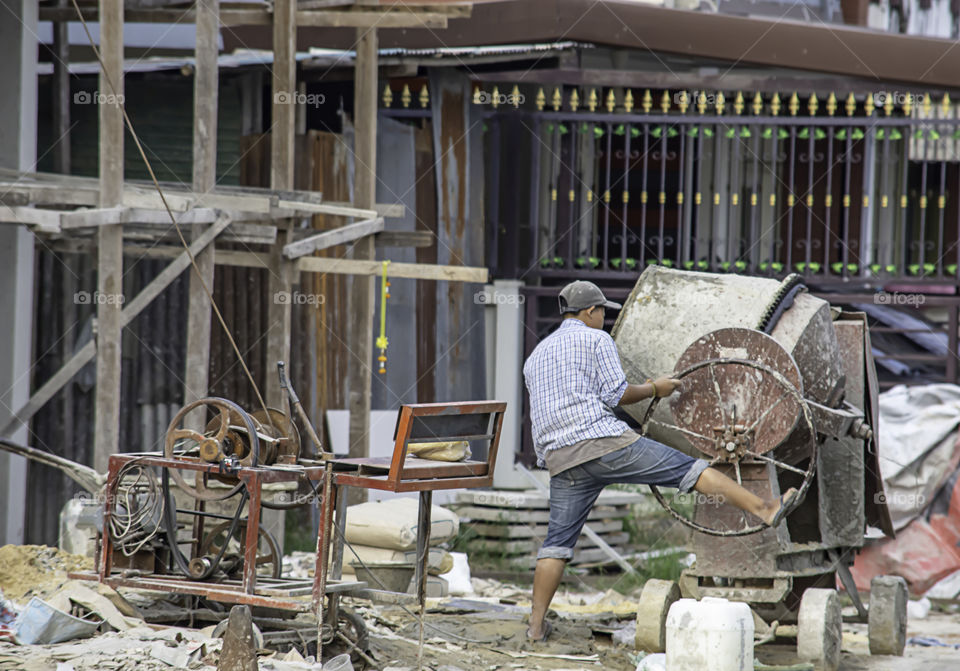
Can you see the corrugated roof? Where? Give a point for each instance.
(315, 57)
(769, 41)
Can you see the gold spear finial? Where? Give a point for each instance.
(851, 105)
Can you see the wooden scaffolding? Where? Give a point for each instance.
(109, 207)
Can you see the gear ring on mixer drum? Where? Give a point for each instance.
(230, 434)
(732, 442)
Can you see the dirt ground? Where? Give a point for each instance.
(496, 642)
(484, 632)
(500, 645)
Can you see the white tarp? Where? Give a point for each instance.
(918, 437)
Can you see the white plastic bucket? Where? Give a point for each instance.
(709, 635)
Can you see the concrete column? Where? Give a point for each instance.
(18, 150)
(506, 302)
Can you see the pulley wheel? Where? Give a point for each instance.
(278, 425)
(220, 432)
(269, 561)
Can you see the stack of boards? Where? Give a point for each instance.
(509, 526)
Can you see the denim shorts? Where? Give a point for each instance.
(574, 491)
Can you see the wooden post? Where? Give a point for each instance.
(362, 287)
(109, 237)
(281, 177)
(205, 104)
(61, 95)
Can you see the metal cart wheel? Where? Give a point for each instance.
(269, 561)
(222, 438)
(820, 629)
(351, 627)
(887, 616)
(745, 435)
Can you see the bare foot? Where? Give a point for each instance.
(540, 633)
(773, 506)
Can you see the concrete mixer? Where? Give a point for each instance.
(779, 391)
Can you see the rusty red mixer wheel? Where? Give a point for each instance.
(737, 409)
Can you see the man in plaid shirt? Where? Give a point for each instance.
(575, 379)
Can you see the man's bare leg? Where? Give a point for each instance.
(546, 579)
(714, 482)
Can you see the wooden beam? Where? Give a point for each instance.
(261, 17)
(338, 236)
(206, 80)
(328, 208)
(53, 189)
(109, 238)
(330, 266)
(416, 271)
(281, 177)
(404, 239)
(360, 367)
(43, 221)
(133, 215)
(372, 19)
(49, 388)
(129, 312)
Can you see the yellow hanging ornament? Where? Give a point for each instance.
(382, 338)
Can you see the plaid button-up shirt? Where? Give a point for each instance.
(574, 378)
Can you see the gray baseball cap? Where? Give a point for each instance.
(581, 295)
